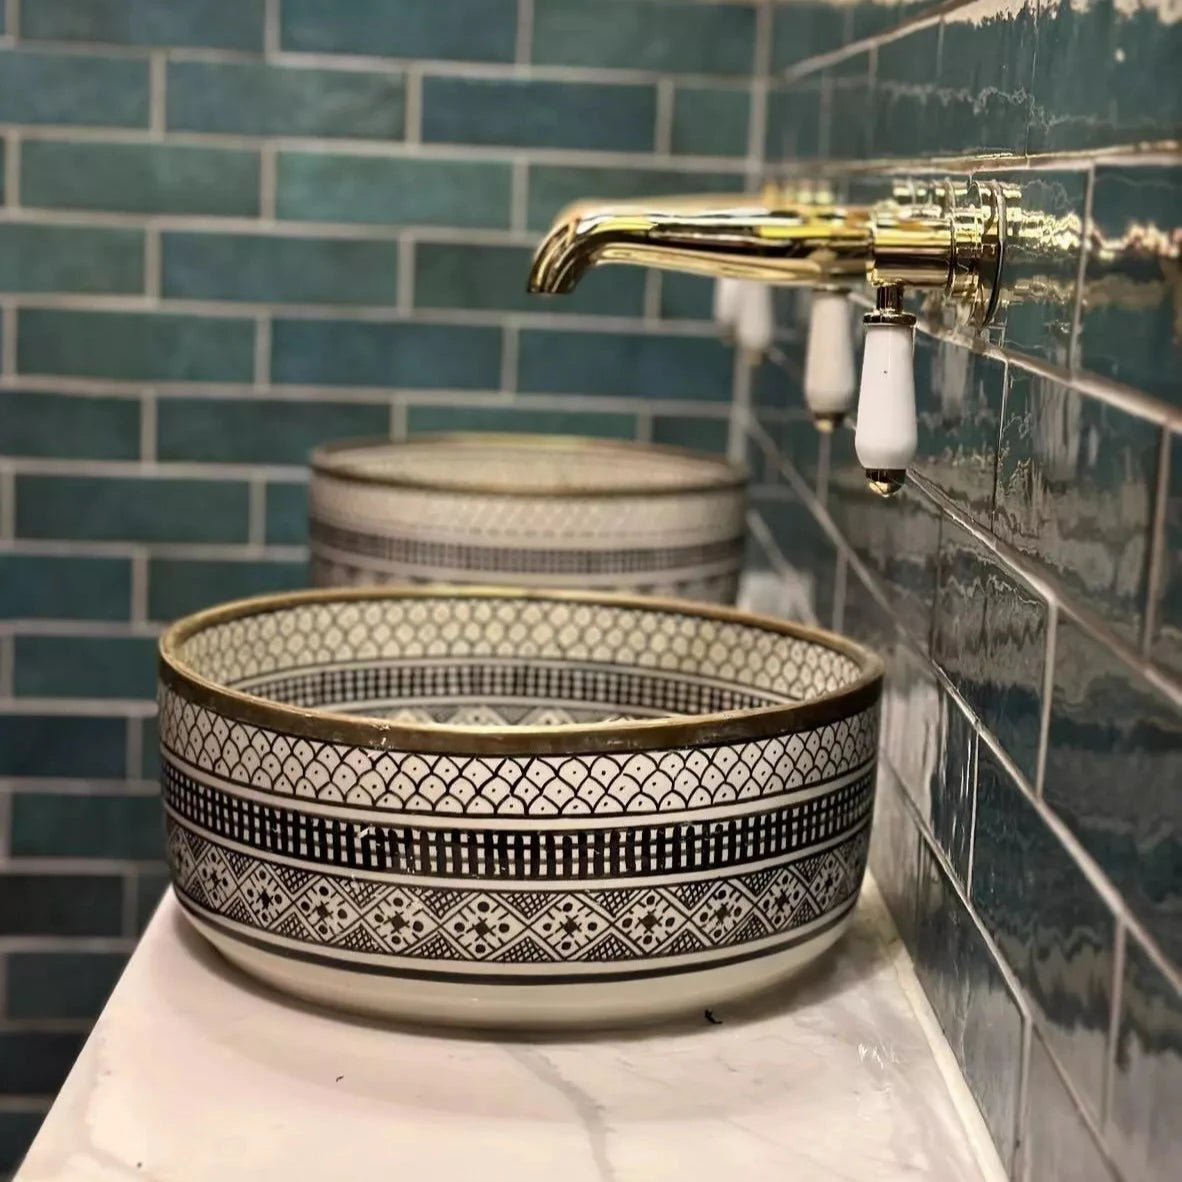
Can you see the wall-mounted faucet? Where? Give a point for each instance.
(940, 237)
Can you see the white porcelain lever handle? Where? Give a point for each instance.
(885, 439)
(829, 381)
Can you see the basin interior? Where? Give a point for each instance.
(508, 660)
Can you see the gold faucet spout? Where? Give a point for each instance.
(738, 237)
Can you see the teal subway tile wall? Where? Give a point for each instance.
(1026, 587)
(233, 228)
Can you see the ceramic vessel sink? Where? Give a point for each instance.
(510, 808)
(527, 510)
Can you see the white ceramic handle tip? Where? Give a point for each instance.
(885, 439)
(829, 381)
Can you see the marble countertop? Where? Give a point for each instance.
(194, 1073)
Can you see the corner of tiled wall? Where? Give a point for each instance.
(232, 230)
(1027, 586)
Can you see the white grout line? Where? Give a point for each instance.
(524, 41)
(7, 665)
(1119, 954)
(70, 943)
(268, 183)
(510, 346)
(186, 551)
(1156, 571)
(405, 276)
(663, 123)
(86, 707)
(840, 581)
(8, 339)
(121, 628)
(7, 501)
(135, 748)
(139, 588)
(1081, 268)
(12, 26)
(262, 352)
(652, 295)
(971, 861)
(153, 264)
(413, 127)
(387, 149)
(256, 531)
(12, 169)
(121, 786)
(272, 30)
(740, 409)
(157, 94)
(148, 427)
(1048, 693)
(155, 469)
(644, 427)
(397, 418)
(519, 195)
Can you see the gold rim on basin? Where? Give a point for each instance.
(330, 460)
(442, 738)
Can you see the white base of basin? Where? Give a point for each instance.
(533, 1007)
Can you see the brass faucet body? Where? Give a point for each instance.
(935, 238)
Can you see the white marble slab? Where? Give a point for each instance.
(193, 1073)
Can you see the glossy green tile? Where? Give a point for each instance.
(958, 397)
(710, 121)
(1048, 921)
(61, 984)
(135, 346)
(1059, 1146)
(685, 297)
(250, 98)
(150, 886)
(50, 825)
(793, 127)
(849, 118)
(978, 1014)
(706, 435)
(64, 587)
(1148, 1072)
(60, 904)
(62, 745)
(43, 904)
(150, 741)
(272, 269)
(532, 114)
(179, 586)
(73, 88)
(462, 30)
(989, 636)
(18, 1127)
(84, 666)
(521, 418)
(374, 191)
(910, 726)
(140, 178)
(70, 259)
(1106, 74)
(954, 791)
(1113, 752)
(870, 17)
(553, 186)
(863, 615)
(808, 557)
(260, 430)
(802, 29)
(354, 353)
(1130, 321)
(1077, 480)
(1041, 285)
(117, 508)
(894, 854)
(674, 38)
(287, 514)
(60, 426)
(623, 365)
(36, 1062)
(1167, 641)
(460, 275)
(985, 78)
(905, 107)
(214, 24)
